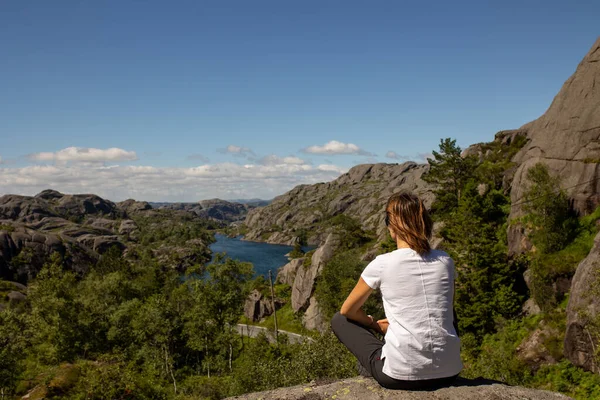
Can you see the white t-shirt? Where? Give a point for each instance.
(418, 294)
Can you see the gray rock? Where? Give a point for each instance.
(103, 224)
(304, 281)
(313, 317)
(287, 273)
(368, 389)
(258, 306)
(567, 139)
(16, 297)
(581, 341)
(533, 350)
(131, 207)
(127, 227)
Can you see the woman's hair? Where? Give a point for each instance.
(408, 218)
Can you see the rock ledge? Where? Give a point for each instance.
(368, 389)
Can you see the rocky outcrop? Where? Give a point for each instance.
(368, 389)
(306, 275)
(127, 227)
(82, 227)
(313, 317)
(567, 139)
(361, 193)
(534, 350)
(258, 306)
(287, 273)
(131, 207)
(582, 336)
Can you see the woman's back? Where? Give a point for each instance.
(417, 292)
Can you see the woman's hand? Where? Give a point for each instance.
(383, 325)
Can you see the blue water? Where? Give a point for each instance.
(263, 256)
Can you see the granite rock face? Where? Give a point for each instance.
(313, 317)
(304, 282)
(287, 273)
(368, 389)
(581, 338)
(567, 139)
(360, 193)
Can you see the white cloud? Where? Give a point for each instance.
(118, 182)
(332, 168)
(276, 160)
(86, 155)
(392, 154)
(236, 151)
(335, 147)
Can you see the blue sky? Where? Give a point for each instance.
(186, 100)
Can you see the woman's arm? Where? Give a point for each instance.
(352, 307)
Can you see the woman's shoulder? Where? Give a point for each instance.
(439, 255)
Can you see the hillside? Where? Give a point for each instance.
(82, 227)
(216, 210)
(360, 193)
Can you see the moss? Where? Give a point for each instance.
(7, 228)
(308, 259)
(591, 160)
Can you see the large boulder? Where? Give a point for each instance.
(583, 312)
(313, 317)
(131, 207)
(304, 281)
(567, 139)
(258, 306)
(367, 389)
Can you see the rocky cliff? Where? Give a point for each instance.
(583, 313)
(567, 139)
(360, 193)
(368, 389)
(81, 228)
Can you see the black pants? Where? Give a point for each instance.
(367, 349)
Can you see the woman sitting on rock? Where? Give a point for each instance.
(421, 348)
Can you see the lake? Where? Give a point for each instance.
(263, 256)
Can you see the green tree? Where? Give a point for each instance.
(54, 314)
(12, 345)
(214, 308)
(486, 279)
(552, 221)
(450, 172)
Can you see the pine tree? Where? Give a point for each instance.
(450, 171)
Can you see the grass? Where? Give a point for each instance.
(287, 320)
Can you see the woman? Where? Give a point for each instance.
(421, 348)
